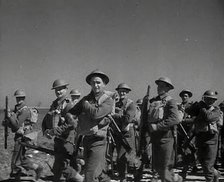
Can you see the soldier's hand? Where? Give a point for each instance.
(20, 131)
(152, 127)
(49, 133)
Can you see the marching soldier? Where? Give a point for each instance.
(124, 116)
(208, 120)
(75, 96)
(162, 118)
(62, 127)
(92, 111)
(185, 131)
(20, 123)
(221, 106)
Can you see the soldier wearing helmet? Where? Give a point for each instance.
(75, 96)
(189, 157)
(221, 106)
(124, 116)
(92, 111)
(60, 126)
(208, 120)
(162, 118)
(19, 122)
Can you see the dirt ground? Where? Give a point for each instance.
(47, 160)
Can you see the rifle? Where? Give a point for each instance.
(6, 134)
(188, 143)
(143, 129)
(121, 137)
(143, 121)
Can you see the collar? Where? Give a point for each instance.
(60, 100)
(163, 96)
(19, 106)
(97, 95)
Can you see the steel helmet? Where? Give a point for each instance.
(165, 80)
(188, 92)
(59, 83)
(20, 93)
(75, 92)
(98, 73)
(211, 94)
(123, 86)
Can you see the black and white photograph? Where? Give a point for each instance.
(111, 90)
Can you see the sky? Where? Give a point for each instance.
(132, 41)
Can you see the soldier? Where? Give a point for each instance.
(189, 157)
(221, 106)
(92, 111)
(124, 116)
(62, 127)
(162, 118)
(20, 123)
(75, 96)
(207, 123)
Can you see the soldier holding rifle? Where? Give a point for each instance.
(20, 123)
(56, 124)
(124, 116)
(162, 118)
(208, 121)
(186, 150)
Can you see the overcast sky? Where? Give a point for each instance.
(133, 41)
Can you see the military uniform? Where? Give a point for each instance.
(124, 118)
(20, 124)
(62, 127)
(92, 111)
(161, 126)
(208, 118)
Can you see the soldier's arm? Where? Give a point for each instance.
(18, 121)
(130, 113)
(171, 117)
(211, 116)
(77, 109)
(98, 112)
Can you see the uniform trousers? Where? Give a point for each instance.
(19, 159)
(207, 144)
(163, 158)
(95, 159)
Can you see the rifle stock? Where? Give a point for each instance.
(5, 119)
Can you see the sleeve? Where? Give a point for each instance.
(77, 109)
(100, 111)
(170, 116)
(211, 116)
(130, 113)
(17, 120)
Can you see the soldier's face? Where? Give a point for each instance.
(75, 97)
(185, 97)
(61, 91)
(20, 100)
(209, 101)
(123, 93)
(97, 84)
(162, 88)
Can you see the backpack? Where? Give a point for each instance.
(156, 110)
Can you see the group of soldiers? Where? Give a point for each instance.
(155, 131)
